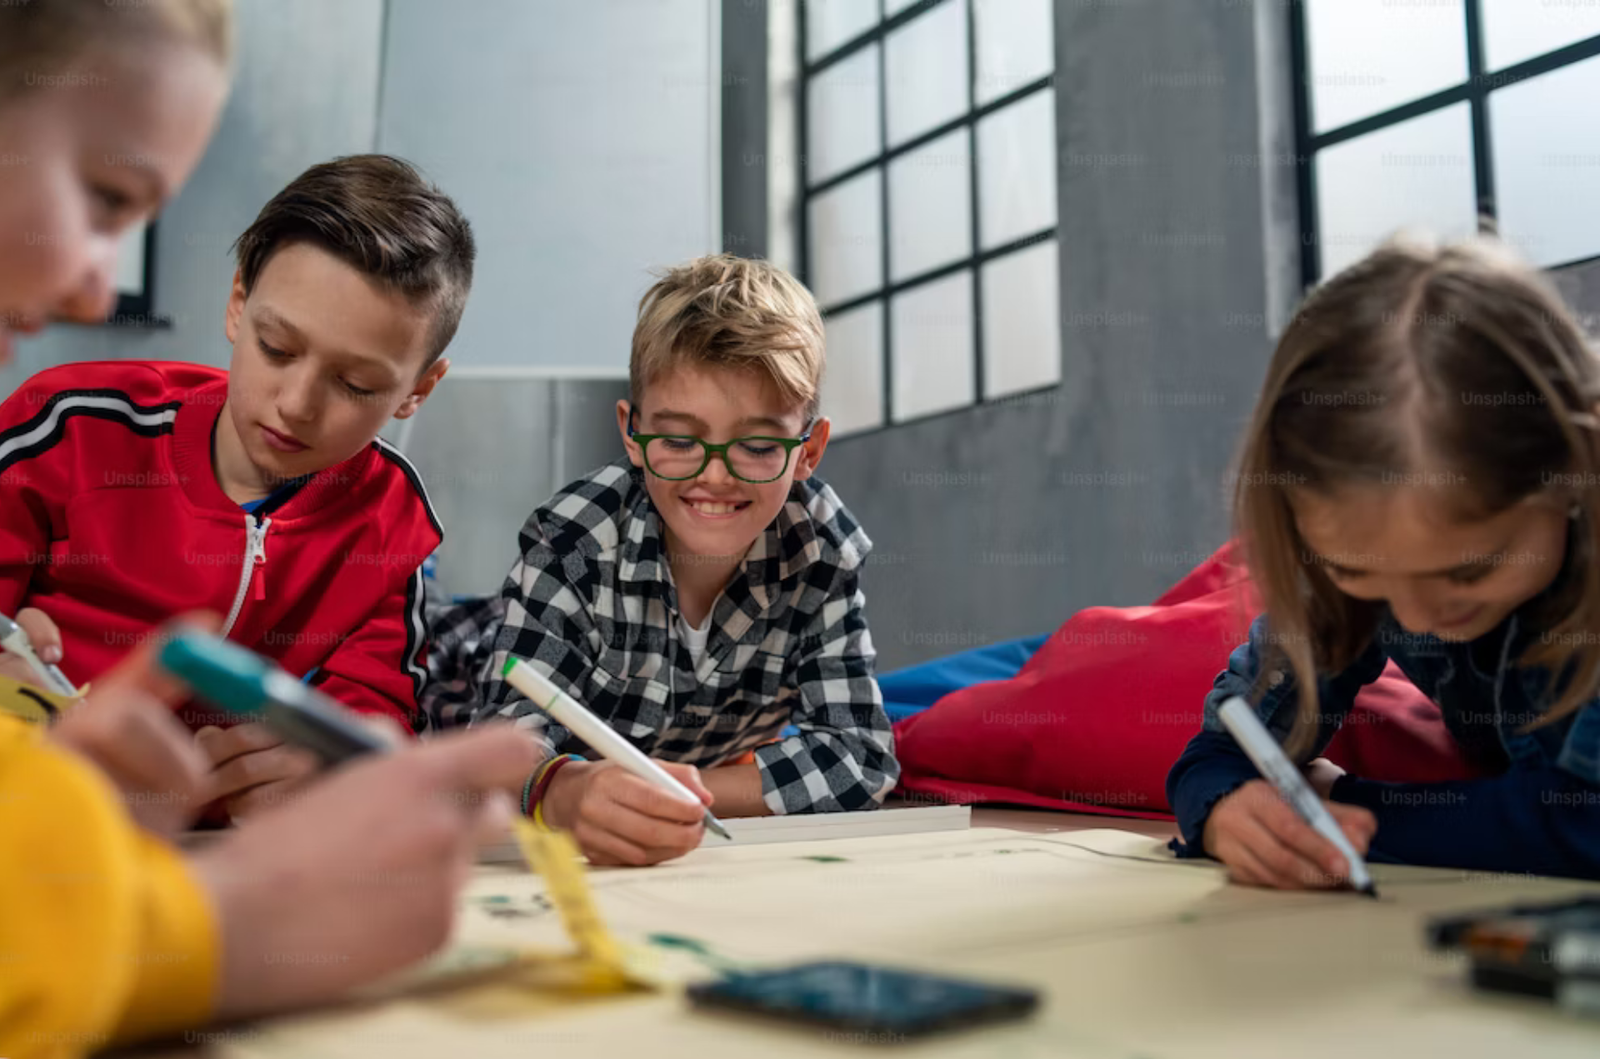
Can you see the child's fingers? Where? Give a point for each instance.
(42, 633)
(386, 728)
(1358, 824)
(1244, 866)
(603, 846)
(1285, 824)
(1289, 868)
(139, 669)
(689, 776)
(649, 800)
(617, 812)
(261, 797)
(222, 745)
(262, 767)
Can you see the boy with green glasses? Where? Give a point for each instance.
(700, 594)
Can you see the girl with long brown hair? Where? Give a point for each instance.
(1419, 484)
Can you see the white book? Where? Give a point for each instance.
(804, 827)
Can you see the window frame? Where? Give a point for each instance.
(1475, 91)
(967, 121)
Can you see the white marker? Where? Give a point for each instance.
(1241, 721)
(600, 736)
(15, 639)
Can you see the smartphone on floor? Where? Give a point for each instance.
(871, 1003)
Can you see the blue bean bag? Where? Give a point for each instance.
(915, 688)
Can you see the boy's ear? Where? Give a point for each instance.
(807, 456)
(234, 318)
(635, 453)
(422, 389)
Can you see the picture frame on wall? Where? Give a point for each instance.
(135, 279)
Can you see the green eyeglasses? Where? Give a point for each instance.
(679, 457)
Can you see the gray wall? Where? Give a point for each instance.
(581, 138)
(491, 450)
(305, 89)
(1002, 520)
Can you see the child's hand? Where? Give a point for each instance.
(1322, 774)
(1265, 843)
(127, 729)
(46, 641)
(252, 769)
(618, 818)
(358, 876)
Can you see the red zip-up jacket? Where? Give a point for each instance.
(112, 522)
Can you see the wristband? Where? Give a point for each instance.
(534, 790)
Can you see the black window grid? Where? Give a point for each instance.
(974, 261)
(1481, 82)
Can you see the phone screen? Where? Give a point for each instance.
(863, 998)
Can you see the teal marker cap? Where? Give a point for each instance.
(231, 676)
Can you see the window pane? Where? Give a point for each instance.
(1370, 55)
(852, 386)
(1021, 324)
(1016, 45)
(847, 239)
(927, 72)
(930, 206)
(1415, 174)
(1515, 30)
(890, 7)
(830, 23)
(842, 115)
(1017, 169)
(1546, 136)
(932, 335)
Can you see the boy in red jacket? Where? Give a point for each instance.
(132, 491)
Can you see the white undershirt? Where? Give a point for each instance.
(695, 639)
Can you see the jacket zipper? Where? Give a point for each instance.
(255, 555)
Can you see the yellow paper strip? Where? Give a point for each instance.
(554, 856)
(32, 703)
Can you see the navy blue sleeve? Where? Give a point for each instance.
(1212, 766)
(1543, 821)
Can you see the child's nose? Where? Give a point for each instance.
(95, 294)
(716, 471)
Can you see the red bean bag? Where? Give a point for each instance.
(1095, 719)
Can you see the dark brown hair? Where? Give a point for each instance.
(378, 215)
(45, 37)
(1460, 363)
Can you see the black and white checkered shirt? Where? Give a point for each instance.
(591, 603)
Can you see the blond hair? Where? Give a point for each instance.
(42, 37)
(726, 311)
(1466, 361)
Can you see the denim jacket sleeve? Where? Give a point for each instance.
(1541, 816)
(1212, 766)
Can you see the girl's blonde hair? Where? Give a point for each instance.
(41, 38)
(1454, 364)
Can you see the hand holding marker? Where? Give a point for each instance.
(14, 638)
(600, 736)
(1241, 721)
(241, 681)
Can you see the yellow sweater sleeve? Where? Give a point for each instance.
(104, 934)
